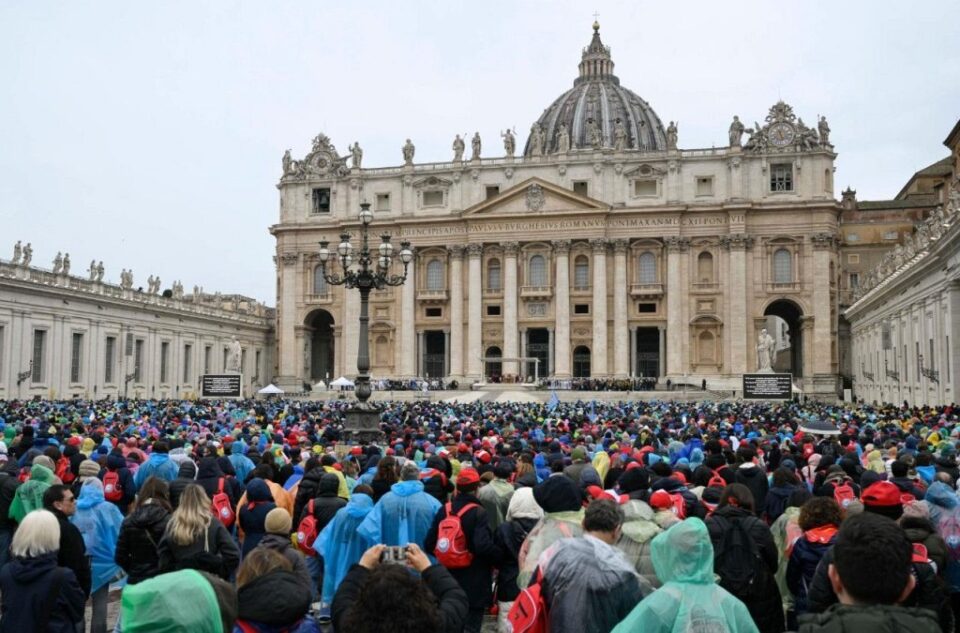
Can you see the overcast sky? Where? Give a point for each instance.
(149, 134)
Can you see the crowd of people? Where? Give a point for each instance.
(641, 516)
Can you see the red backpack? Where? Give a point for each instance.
(112, 490)
(222, 508)
(529, 611)
(451, 550)
(63, 471)
(307, 532)
(716, 480)
(843, 494)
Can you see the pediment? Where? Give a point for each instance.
(534, 196)
(432, 182)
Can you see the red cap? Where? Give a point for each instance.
(462, 448)
(881, 493)
(74, 441)
(468, 476)
(661, 500)
(337, 466)
(356, 450)
(482, 456)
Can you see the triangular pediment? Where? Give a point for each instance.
(534, 196)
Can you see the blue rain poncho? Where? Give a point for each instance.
(944, 509)
(157, 465)
(690, 599)
(403, 515)
(341, 545)
(99, 522)
(242, 465)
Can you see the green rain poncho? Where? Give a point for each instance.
(171, 603)
(29, 496)
(690, 599)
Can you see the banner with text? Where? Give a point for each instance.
(768, 386)
(221, 386)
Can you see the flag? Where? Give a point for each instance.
(554, 402)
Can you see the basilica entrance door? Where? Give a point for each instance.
(321, 345)
(435, 354)
(538, 346)
(648, 352)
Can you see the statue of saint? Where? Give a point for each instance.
(672, 136)
(17, 252)
(234, 354)
(475, 146)
(509, 143)
(824, 130)
(458, 147)
(57, 263)
(287, 163)
(356, 154)
(27, 254)
(100, 271)
(536, 140)
(408, 150)
(563, 139)
(66, 264)
(593, 134)
(93, 270)
(150, 285)
(765, 350)
(736, 132)
(619, 136)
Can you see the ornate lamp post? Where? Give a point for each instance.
(373, 271)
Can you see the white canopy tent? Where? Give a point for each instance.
(271, 390)
(342, 383)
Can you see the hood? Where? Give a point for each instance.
(209, 469)
(116, 461)
(277, 598)
(91, 494)
(25, 570)
(684, 553)
(226, 466)
(177, 601)
(158, 459)
(750, 470)
(258, 490)
(406, 488)
(41, 473)
(558, 494)
(639, 524)
(328, 486)
(927, 473)
(147, 516)
(940, 494)
(359, 505)
(238, 448)
(523, 506)
(188, 470)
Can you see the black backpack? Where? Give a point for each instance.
(738, 563)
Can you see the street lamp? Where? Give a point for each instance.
(373, 271)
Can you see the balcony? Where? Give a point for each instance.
(791, 286)
(492, 292)
(536, 292)
(646, 290)
(431, 296)
(705, 286)
(323, 297)
(581, 290)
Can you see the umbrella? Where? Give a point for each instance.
(271, 389)
(819, 427)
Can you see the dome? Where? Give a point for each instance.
(597, 112)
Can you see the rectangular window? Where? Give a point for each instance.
(434, 312)
(76, 356)
(187, 362)
(891, 235)
(383, 202)
(581, 187)
(853, 237)
(164, 354)
(581, 308)
(646, 308)
(492, 191)
(243, 360)
(39, 352)
(226, 353)
(321, 200)
(109, 358)
(645, 188)
(138, 360)
(207, 358)
(493, 310)
(853, 258)
(705, 186)
(854, 280)
(433, 198)
(781, 177)
(256, 367)
(129, 347)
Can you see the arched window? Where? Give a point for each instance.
(319, 283)
(538, 271)
(708, 352)
(647, 268)
(705, 267)
(435, 275)
(581, 272)
(381, 350)
(782, 266)
(493, 275)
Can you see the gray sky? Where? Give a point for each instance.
(149, 134)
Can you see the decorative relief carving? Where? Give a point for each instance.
(824, 240)
(599, 245)
(475, 250)
(510, 249)
(561, 247)
(620, 246)
(288, 259)
(535, 197)
(736, 241)
(677, 244)
(456, 250)
(537, 309)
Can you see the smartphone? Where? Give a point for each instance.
(394, 554)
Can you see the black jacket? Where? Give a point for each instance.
(326, 504)
(756, 480)
(139, 540)
(870, 619)
(767, 610)
(118, 463)
(8, 488)
(209, 475)
(26, 583)
(477, 577)
(279, 599)
(185, 476)
(73, 552)
(509, 539)
(380, 488)
(307, 489)
(174, 557)
(452, 601)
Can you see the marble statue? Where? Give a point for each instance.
(177, 290)
(765, 349)
(287, 163)
(808, 137)
(594, 136)
(150, 285)
(57, 263)
(27, 254)
(66, 264)
(93, 270)
(234, 354)
(953, 206)
(824, 130)
(475, 146)
(536, 140)
(196, 292)
(458, 147)
(17, 252)
(408, 150)
(100, 271)
(736, 132)
(672, 136)
(619, 136)
(356, 155)
(509, 143)
(563, 139)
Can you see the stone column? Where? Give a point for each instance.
(406, 350)
(662, 365)
(290, 358)
(510, 332)
(677, 328)
(737, 245)
(598, 353)
(351, 330)
(823, 247)
(446, 353)
(633, 351)
(474, 312)
(562, 309)
(456, 312)
(418, 353)
(550, 359)
(523, 350)
(621, 336)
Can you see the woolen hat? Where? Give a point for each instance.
(89, 468)
(278, 522)
(47, 462)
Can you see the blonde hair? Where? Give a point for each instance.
(192, 517)
(38, 534)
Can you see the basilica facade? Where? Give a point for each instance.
(603, 249)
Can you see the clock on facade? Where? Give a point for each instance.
(781, 134)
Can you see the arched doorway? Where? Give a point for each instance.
(321, 345)
(581, 362)
(494, 368)
(783, 324)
